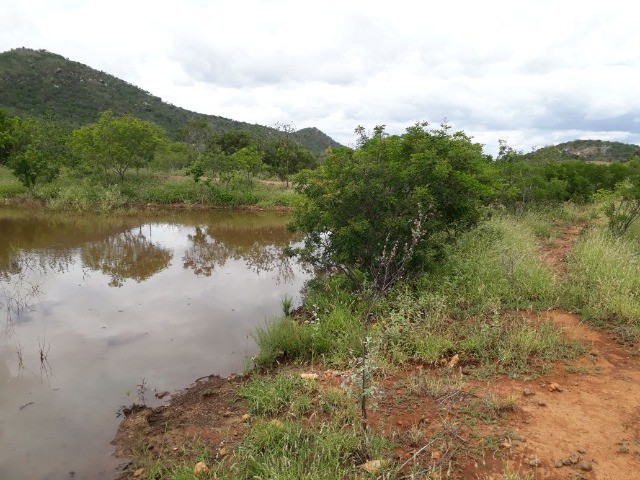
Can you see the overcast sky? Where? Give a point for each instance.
(531, 72)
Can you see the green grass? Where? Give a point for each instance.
(496, 266)
(603, 281)
(457, 309)
(9, 185)
(106, 193)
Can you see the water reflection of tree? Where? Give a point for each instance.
(129, 255)
(267, 253)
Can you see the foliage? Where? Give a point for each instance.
(284, 155)
(117, 143)
(604, 279)
(8, 131)
(35, 82)
(39, 150)
(624, 208)
(585, 150)
(390, 206)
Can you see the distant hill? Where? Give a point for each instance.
(587, 150)
(38, 82)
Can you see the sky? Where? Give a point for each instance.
(533, 73)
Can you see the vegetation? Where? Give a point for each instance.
(37, 83)
(387, 208)
(427, 252)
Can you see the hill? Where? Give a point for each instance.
(38, 82)
(587, 150)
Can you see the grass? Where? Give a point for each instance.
(106, 193)
(9, 185)
(603, 281)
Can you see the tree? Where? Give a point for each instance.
(39, 149)
(117, 143)
(8, 130)
(386, 209)
(284, 155)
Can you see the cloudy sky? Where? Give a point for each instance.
(531, 72)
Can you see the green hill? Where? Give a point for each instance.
(38, 82)
(587, 150)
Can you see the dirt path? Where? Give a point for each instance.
(586, 413)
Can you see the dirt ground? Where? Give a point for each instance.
(581, 421)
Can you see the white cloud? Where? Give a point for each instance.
(540, 71)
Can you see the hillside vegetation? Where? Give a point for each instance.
(586, 150)
(38, 82)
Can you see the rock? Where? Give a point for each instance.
(528, 392)
(223, 452)
(559, 464)
(582, 451)
(554, 387)
(200, 468)
(572, 459)
(454, 361)
(534, 462)
(586, 466)
(436, 455)
(374, 466)
(139, 472)
(309, 376)
(246, 417)
(541, 403)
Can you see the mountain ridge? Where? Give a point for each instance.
(38, 82)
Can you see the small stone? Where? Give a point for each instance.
(586, 466)
(541, 403)
(200, 468)
(506, 444)
(554, 387)
(374, 466)
(582, 451)
(246, 417)
(436, 455)
(534, 462)
(527, 392)
(454, 361)
(309, 376)
(559, 464)
(139, 472)
(223, 452)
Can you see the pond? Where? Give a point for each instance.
(98, 312)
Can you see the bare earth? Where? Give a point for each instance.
(579, 422)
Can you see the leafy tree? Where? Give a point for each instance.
(39, 150)
(232, 141)
(285, 156)
(117, 143)
(196, 134)
(387, 208)
(8, 131)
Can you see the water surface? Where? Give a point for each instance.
(97, 312)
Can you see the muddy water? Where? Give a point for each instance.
(99, 312)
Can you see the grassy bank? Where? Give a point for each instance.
(101, 194)
(462, 323)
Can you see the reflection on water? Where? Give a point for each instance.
(191, 287)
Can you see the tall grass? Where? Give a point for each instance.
(496, 266)
(456, 308)
(604, 279)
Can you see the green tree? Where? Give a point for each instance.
(39, 149)
(8, 131)
(284, 155)
(386, 209)
(117, 143)
(232, 141)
